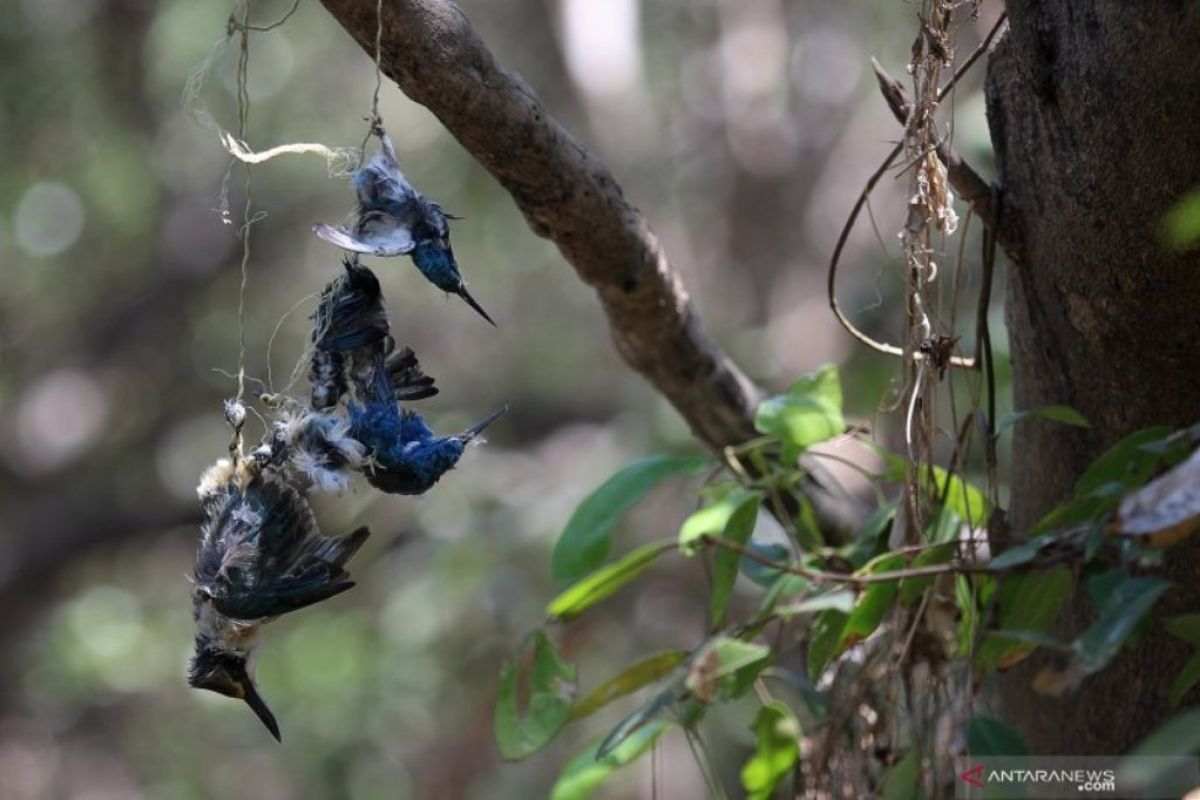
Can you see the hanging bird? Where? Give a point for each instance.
(349, 317)
(351, 323)
(395, 219)
(406, 457)
(260, 556)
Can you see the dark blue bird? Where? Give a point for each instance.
(395, 219)
(260, 556)
(404, 454)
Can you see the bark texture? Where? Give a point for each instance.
(430, 50)
(1093, 107)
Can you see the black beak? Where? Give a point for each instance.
(465, 295)
(255, 701)
(478, 428)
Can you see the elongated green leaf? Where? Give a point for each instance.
(586, 772)
(605, 582)
(1163, 777)
(640, 718)
(808, 413)
(991, 737)
(715, 518)
(585, 541)
(826, 633)
(1035, 638)
(961, 496)
(1018, 555)
(1028, 602)
(551, 687)
(1064, 414)
(840, 599)
(725, 564)
(942, 530)
(632, 678)
(872, 606)
(1185, 627)
(777, 732)
(1126, 462)
(760, 573)
(1185, 680)
(1129, 602)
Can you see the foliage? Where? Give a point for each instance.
(845, 603)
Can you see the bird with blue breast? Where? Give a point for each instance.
(395, 219)
(403, 454)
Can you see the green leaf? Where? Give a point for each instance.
(1028, 602)
(1018, 555)
(942, 530)
(760, 573)
(826, 633)
(1129, 602)
(715, 518)
(872, 606)
(605, 582)
(737, 529)
(587, 771)
(960, 496)
(901, 781)
(839, 599)
(991, 737)
(1181, 226)
(788, 585)
(1064, 414)
(1186, 679)
(1178, 736)
(585, 541)
(1185, 627)
(632, 678)
(808, 413)
(720, 658)
(551, 688)
(1148, 776)
(1125, 462)
(778, 734)
(636, 721)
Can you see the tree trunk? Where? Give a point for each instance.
(1094, 109)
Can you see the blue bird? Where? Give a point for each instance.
(395, 219)
(260, 556)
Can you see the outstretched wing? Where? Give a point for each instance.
(261, 554)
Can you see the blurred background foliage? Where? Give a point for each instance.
(742, 128)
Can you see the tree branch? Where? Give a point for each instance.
(567, 195)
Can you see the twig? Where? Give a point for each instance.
(821, 576)
(967, 183)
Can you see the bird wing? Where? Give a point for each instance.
(350, 314)
(262, 555)
(376, 235)
(407, 380)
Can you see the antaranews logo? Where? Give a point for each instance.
(1052, 777)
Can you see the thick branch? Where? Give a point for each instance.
(568, 196)
(967, 183)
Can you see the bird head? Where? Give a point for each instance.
(228, 672)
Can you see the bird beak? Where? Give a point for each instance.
(478, 428)
(256, 703)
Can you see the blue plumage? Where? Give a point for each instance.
(395, 219)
